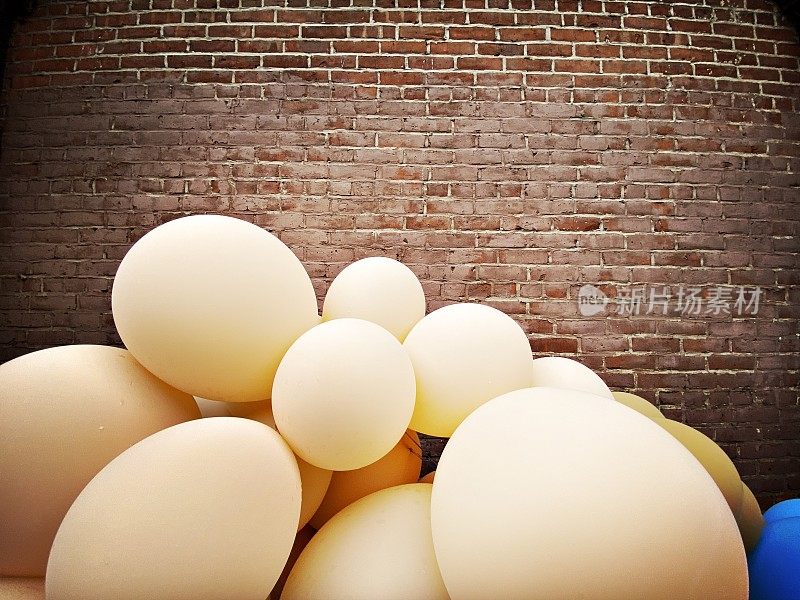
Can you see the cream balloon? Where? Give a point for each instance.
(343, 394)
(210, 304)
(377, 289)
(202, 511)
(22, 588)
(378, 548)
(64, 414)
(212, 408)
(315, 481)
(464, 355)
(749, 518)
(638, 404)
(548, 493)
(712, 457)
(568, 374)
(401, 465)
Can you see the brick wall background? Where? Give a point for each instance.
(509, 151)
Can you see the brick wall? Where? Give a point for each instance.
(508, 151)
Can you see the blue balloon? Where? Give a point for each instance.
(783, 510)
(774, 564)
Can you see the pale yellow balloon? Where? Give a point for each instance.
(565, 373)
(343, 394)
(212, 408)
(64, 414)
(22, 588)
(401, 465)
(377, 289)
(547, 493)
(638, 404)
(315, 481)
(749, 518)
(300, 542)
(712, 457)
(428, 478)
(210, 304)
(378, 548)
(203, 510)
(463, 355)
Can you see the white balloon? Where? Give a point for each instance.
(344, 394)
(464, 355)
(210, 304)
(568, 374)
(549, 493)
(203, 510)
(378, 548)
(377, 289)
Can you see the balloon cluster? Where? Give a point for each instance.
(302, 483)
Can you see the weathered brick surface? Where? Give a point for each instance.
(509, 151)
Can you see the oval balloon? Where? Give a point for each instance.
(202, 510)
(749, 519)
(210, 304)
(380, 290)
(344, 394)
(547, 493)
(463, 355)
(65, 413)
(560, 372)
(378, 548)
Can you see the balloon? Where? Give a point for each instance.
(202, 510)
(212, 408)
(300, 542)
(65, 413)
(343, 394)
(548, 493)
(749, 519)
(381, 290)
(315, 481)
(210, 304)
(428, 478)
(464, 355)
(712, 457)
(783, 510)
(638, 404)
(401, 465)
(559, 372)
(378, 548)
(22, 588)
(775, 562)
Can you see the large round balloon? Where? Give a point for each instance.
(401, 465)
(22, 588)
(775, 562)
(210, 304)
(344, 394)
(377, 289)
(749, 519)
(64, 414)
(202, 510)
(464, 355)
(378, 548)
(560, 372)
(712, 457)
(548, 493)
(315, 481)
(638, 404)
(783, 510)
